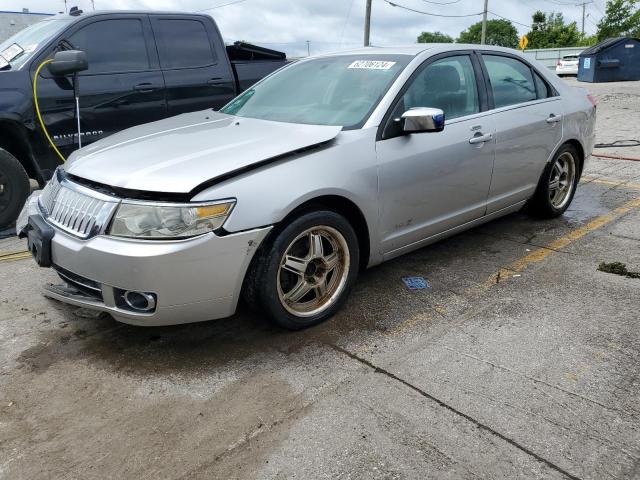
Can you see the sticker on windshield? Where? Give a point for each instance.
(11, 52)
(372, 64)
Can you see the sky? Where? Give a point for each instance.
(331, 25)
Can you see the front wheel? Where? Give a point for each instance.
(14, 188)
(557, 185)
(304, 273)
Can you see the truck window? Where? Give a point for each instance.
(113, 45)
(183, 43)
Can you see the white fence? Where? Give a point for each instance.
(550, 56)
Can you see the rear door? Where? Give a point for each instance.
(528, 115)
(123, 86)
(194, 63)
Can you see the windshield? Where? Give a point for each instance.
(18, 48)
(339, 90)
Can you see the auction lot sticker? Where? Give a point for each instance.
(372, 64)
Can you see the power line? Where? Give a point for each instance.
(431, 14)
(346, 22)
(509, 19)
(223, 5)
(441, 3)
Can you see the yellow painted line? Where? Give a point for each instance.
(542, 253)
(614, 183)
(13, 256)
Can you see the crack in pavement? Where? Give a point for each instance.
(537, 380)
(454, 410)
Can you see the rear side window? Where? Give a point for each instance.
(113, 45)
(511, 80)
(542, 88)
(183, 43)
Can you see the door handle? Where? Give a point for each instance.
(146, 87)
(554, 118)
(216, 81)
(479, 138)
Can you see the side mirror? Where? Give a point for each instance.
(67, 62)
(422, 119)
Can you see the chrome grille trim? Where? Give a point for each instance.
(76, 209)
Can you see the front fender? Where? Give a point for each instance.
(265, 196)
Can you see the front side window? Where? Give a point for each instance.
(339, 90)
(448, 84)
(183, 43)
(511, 80)
(113, 45)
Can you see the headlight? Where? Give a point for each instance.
(167, 221)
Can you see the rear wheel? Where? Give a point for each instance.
(557, 184)
(302, 276)
(14, 188)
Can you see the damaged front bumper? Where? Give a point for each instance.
(143, 282)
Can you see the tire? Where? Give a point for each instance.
(327, 271)
(14, 188)
(557, 184)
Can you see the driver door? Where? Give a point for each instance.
(432, 182)
(123, 86)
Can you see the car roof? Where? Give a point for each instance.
(417, 48)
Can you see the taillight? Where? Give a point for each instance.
(559, 63)
(592, 99)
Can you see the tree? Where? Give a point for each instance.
(588, 41)
(499, 32)
(550, 31)
(621, 19)
(434, 37)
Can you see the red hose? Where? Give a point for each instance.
(614, 157)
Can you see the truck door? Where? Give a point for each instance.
(194, 62)
(123, 86)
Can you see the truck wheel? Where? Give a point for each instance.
(14, 188)
(557, 184)
(304, 273)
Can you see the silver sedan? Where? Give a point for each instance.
(328, 166)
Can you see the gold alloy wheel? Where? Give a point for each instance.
(561, 180)
(313, 271)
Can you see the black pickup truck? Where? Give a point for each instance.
(142, 66)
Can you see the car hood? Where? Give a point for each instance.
(178, 154)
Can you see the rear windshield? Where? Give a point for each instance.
(570, 57)
(338, 90)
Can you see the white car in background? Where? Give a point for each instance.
(568, 65)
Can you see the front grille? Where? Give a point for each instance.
(74, 208)
(82, 284)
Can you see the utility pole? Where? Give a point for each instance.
(308, 48)
(483, 36)
(93, 4)
(584, 7)
(65, 7)
(367, 24)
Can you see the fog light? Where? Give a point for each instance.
(140, 301)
